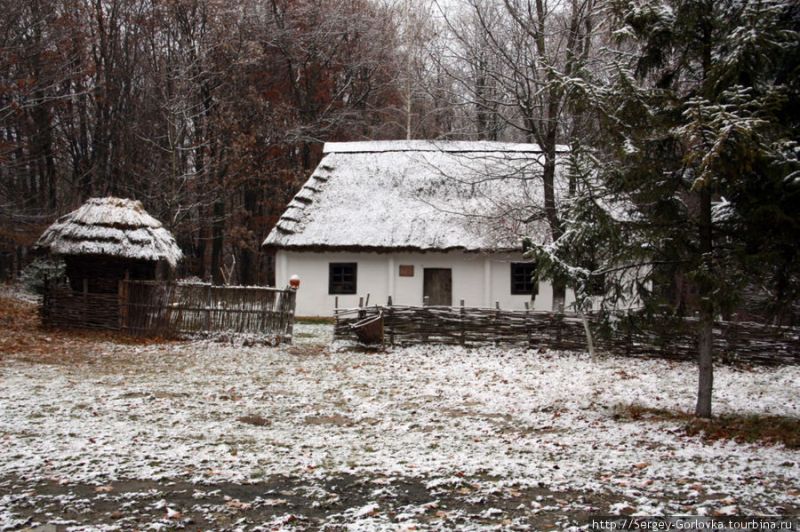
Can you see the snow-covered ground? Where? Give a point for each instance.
(440, 414)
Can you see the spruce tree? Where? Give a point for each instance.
(695, 173)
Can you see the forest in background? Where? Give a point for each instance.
(210, 112)
(214, 112)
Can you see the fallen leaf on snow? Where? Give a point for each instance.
(173, 514)
(236, 504)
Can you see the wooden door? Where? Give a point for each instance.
(437, 286)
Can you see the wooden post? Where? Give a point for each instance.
(267, 303)
(335, 314)
(462, 311)
(528, 324)
(560, 319)
(628, 333)
(124, 302)
(292, 293)
(732, 339)
(208, 308)
(389, 323)
(496, 322)
(424, 335)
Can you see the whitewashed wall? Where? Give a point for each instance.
(480, 280)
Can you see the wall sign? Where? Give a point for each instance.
(406, 270)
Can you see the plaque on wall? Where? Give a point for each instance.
(406, 270)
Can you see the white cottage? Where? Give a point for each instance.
(442, 220)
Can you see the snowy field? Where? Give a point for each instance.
(426, 437)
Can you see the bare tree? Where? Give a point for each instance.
(209, 111)
(516, 62)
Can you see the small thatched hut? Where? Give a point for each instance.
(108, 238)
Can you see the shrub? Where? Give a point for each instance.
(34, 274)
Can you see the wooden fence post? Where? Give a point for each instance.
(463, 325)
(496, 323)
(170, 326)
(208, 308)
(292, 293)
(628, 333)
(388, 322)
(528, 325)
(733, 339)
(335, 314)
(124, 302)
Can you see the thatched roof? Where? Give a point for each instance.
(419, 195)
(114, 227)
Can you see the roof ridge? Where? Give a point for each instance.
(451, 146)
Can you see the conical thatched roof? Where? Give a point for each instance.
(111, 226)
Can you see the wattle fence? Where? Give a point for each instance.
(674, 338)
(168, 309)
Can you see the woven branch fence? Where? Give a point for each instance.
(157, 308)
(675, 339)
(64, 307)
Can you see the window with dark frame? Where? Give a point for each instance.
(342, 277)
(522, 279)
(596, 283)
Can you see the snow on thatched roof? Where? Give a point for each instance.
(418, 195)
(111, 226)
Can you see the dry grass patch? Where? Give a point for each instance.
(751, 428)
(307, 350)
(314, 320)
(257, 421)
(25, 339)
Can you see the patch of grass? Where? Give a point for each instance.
(751, 428)
(316, 320)
(258, 421)
(307, 350)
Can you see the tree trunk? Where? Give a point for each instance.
(705, 332)
(551, 212)
(706, 366)
(248, 263)
(217, 236)
(202, 249)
